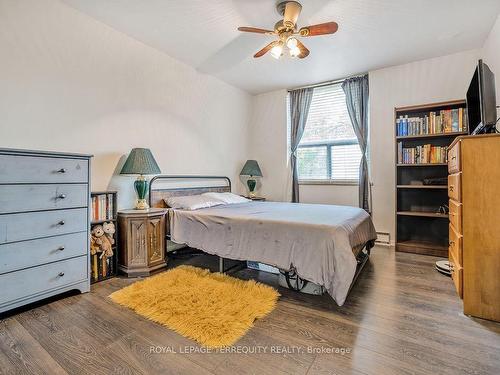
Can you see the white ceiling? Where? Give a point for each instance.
(372, 34)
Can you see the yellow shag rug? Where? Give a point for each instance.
(212, 308)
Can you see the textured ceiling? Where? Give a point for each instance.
(372, 34)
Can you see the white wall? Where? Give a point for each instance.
(267, 143)
(491, 56)
(439, 79)
(70, 83)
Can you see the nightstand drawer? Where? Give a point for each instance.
(455, 215)
(32, 281)
(22, 198)
(455, 186)
(24, 254)
(454, 159)
(32, 225)
(15, 169)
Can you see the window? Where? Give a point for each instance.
(328, 150)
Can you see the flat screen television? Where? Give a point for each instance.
(481, 101)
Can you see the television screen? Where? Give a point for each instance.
(481, 99)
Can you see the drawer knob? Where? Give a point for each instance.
(453, 157)
(61, 274)
(61, 222)
(61, 248)
(61, 196)
(451, 187)
(62, 170)
(451, 243)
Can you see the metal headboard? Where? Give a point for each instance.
(157, 193)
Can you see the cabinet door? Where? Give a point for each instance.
(156, 234)
(138, 246)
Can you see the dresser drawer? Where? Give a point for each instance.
(32, 225)
(24, 254)
(32, 281)
(39, 169)
(456, 275)
(21, 198)
(454, 159)
(455, 215)
(455, 186)
(455, 245)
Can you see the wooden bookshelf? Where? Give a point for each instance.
(421, 227)
(96, 261)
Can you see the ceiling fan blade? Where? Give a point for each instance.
(291, 14)
(320, 29)
(304, 52)
(255, 30)
(264, 50)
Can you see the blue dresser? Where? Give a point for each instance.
(44, 225)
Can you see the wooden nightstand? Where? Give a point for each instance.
(142, 241)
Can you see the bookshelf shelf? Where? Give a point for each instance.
(421, 247)
(97, 222)
(422, 214)
(423, 164)
(419, 228)
(436, 135)
(422, 187)
(104, 210)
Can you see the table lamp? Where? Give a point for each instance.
(141, 162)
(251, 168)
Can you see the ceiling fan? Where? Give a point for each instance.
(286, 31)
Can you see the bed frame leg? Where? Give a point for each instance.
(221, 264)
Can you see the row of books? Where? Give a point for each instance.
(101, 267)
(102, 207)
(424, 154)
(445, 121)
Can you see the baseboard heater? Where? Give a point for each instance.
(383, 238)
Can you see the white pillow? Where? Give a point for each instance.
(227, 198)
(192, 202)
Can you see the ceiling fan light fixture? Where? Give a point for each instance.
(294, 52)
(291, 43)
(277, 51)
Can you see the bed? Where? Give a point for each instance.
(324, 244)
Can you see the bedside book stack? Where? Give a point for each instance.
(104, 211)
(423, 134)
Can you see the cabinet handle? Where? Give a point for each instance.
(451, 243)
(62, 170)
(61, 222)
(451, 187)
(61, 274)
(61, 196)
(453, 157)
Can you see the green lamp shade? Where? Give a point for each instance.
(140, 161)
(251, 168)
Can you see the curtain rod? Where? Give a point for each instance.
(326, 83)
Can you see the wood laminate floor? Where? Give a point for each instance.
(402, 317)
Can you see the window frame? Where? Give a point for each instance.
(328, 145)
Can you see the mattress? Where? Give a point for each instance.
(317, 240)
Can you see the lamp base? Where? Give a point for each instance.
(141, 189)
(142, 204)
(251, 183)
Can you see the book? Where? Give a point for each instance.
(102, 207)
(433, 122)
